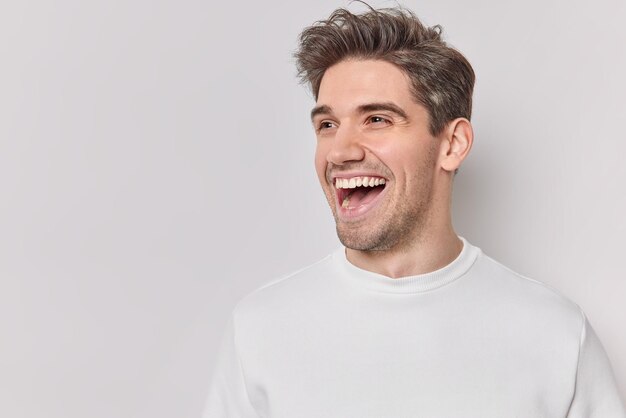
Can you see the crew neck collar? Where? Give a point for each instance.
(408, 284)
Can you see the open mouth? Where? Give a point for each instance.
(358, 192)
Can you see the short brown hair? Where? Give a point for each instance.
(442, 78)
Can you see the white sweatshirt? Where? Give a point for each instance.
(471, 340)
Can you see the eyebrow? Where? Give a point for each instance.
(321, 110)
(364, 108)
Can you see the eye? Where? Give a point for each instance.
(325, 125)
(378, 120)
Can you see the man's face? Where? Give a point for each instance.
(368, 126)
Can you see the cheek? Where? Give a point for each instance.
(406, 160)
(320, 163)
(395, 158)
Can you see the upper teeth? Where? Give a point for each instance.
(358, 182)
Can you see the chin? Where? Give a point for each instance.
(355, 239)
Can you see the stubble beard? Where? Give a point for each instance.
(394, 226)
(401, 223)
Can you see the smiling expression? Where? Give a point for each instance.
(368, 124)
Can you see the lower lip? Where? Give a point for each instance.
(360, 211)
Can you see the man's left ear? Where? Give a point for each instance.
(456, 144)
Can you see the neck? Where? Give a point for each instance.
(432, 250)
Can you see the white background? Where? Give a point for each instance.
(156, 164)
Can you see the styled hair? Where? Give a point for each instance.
(442, 79)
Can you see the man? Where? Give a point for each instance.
(408, 320)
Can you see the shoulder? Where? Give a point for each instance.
(283, 292)
(528, 300)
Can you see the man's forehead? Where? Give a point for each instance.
(350, 85)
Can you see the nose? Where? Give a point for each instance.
(346, 146)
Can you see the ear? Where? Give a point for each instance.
(457, 140)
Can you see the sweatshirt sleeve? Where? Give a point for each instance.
(228, 396)
(596, 394)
